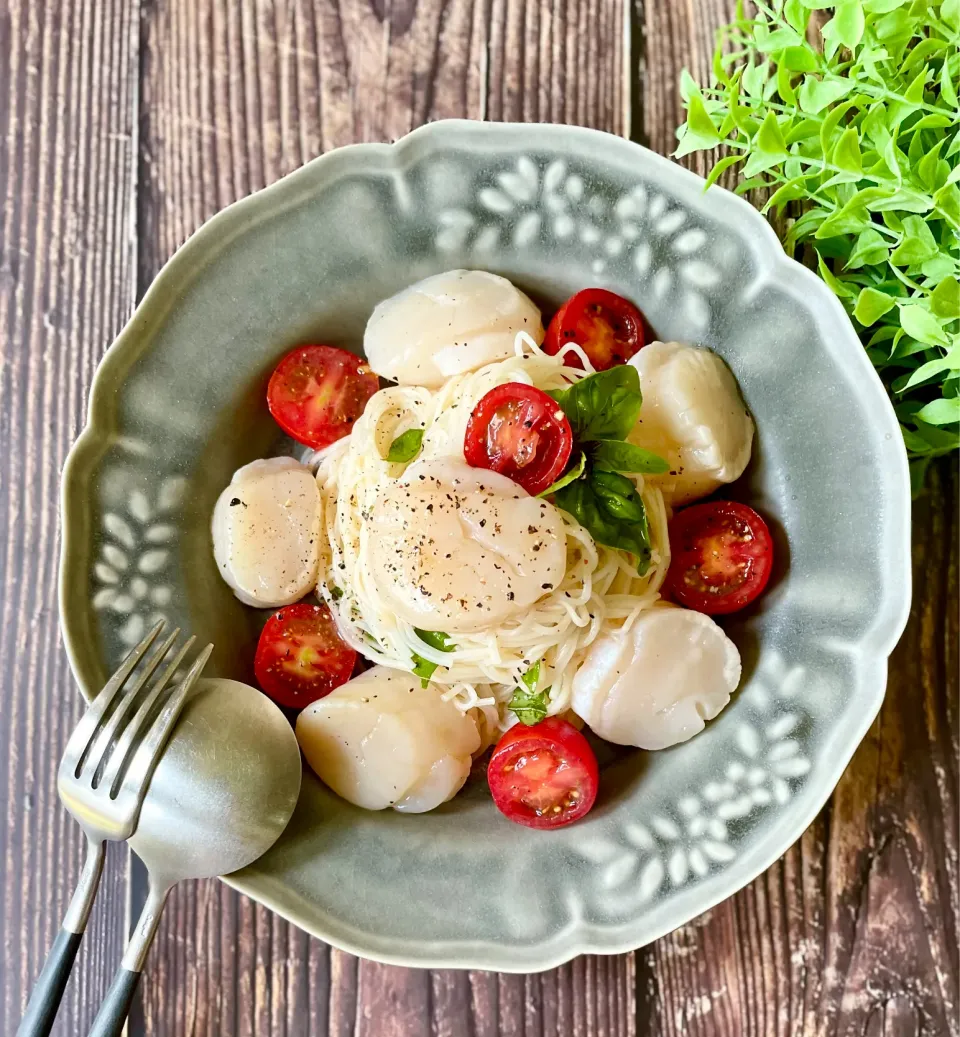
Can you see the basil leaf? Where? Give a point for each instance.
(625, 457)
(435, 639)
(604, 405)
(572, 473)
(600, 513)
(406, 446)
(530, 707)
(335, 592)
(424, 669)
(532, 677)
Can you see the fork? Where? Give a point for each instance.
(102, 780)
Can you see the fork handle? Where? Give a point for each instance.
(48, 990)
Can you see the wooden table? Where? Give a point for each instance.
(125, 124)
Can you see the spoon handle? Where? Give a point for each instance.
(48, 990)
(113, 1012)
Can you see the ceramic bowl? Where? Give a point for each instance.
(178, 404)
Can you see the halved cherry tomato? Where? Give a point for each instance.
(301, 656)
(721, 557)
(316, 393)
(519, 431)
(607, 327)
(545, 775)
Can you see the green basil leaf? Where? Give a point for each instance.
(532, 677)
(580, 500)
(436, 639)
(625, 457)
(529, 707)
(406, 446)
(816, 94)
(424, 669)
(568, 477)
(918, 243)
(769, 139)
(604, 405)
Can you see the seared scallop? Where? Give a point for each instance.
(658, 683)
(694, 416)
(382, 740)
(447, 324)
(456, 548)
(266, 532)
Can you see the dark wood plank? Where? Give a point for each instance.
(232, 97)
(67, 146)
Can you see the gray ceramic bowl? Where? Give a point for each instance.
(178, 404)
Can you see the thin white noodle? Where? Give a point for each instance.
(600, 587)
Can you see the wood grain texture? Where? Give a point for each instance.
(127, 123)
(67, 147)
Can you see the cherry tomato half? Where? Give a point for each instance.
(519, 431)
(607, 327)
(721, 557)
(543, 776)
(316, 393)
(301, 656)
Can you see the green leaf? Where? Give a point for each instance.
(947, 200)
(927, 166)
(435, 639)
(571, 475)
(838, 287)
(699, 132)
(724, 164)
(406, 446)
(870, 249)
(529, 707)
(945, 299)
(816, 94)
(944, 411)
(920, 323)
(532, 677)
(872, 305)
(797, 16)
(604, 405)
(914, 92)
(424, 668)
(950, 13)
(848, 23)
(769, 138)
(755, 78)
(625, 457)
(777, 40)
(918, 243)
(846, 154)
(799, 59)
(932, 368)
(597, 513)
(948, 89)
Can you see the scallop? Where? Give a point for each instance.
(266, 532)
(448, 324)
(382, 740)
(659, 682)
(455, 548)
(693, 416)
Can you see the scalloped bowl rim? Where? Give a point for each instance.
(873, 647)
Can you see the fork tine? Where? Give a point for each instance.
(99, 744)
(149, 750)
(79, 741)
(118, 755)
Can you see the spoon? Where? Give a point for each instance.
(220, 796)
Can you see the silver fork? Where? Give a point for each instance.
(102, 780)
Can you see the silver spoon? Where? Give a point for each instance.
(221, 795)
